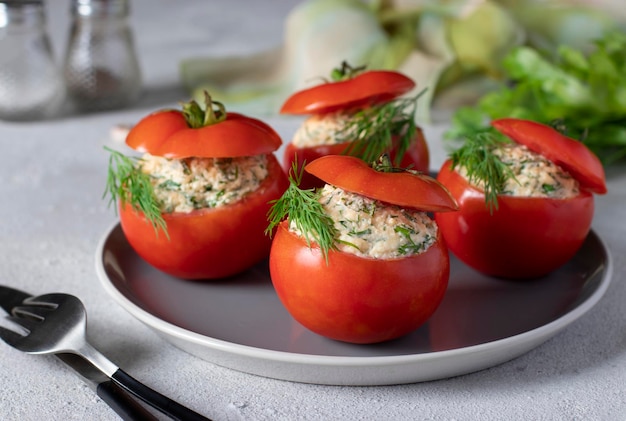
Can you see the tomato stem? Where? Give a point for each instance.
(383, 164)
(196, 116)
(346, 71)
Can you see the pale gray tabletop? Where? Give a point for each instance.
(52, 217)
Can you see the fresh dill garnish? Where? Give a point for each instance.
(169, 185)
(410, 247)
(303, 209)
(128, 184)
(548, 188)
(482, 166)
(371, 131)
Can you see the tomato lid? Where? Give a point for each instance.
(402, 188)
(570, 154)
(167, 133)
(365, 89)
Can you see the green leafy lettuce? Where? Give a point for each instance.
(582, 95)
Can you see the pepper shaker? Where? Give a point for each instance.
(101, 68)
(31, 85)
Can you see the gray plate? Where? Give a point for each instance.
(240, 323)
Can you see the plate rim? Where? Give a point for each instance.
(539, 334)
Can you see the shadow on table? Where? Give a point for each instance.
(570, 354)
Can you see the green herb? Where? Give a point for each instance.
(185, 165)
(349, 244)
(371, 131)
(303, 208)
(126, 183)
(482, 165)
(411, 247)
(213, 203)
(169, 185)
(583, 96)
(361, 233)
(548, 188)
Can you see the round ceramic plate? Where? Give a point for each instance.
(240, 323)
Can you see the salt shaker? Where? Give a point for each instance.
(31, 85)
(101, 69)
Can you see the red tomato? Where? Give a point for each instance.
(524, 238)
(365, 89)
(167, 134)
(402, 188)
(209, 243)
(213, 242)
(416, 157)
(571, 155)
(356, 299)
(359, 299)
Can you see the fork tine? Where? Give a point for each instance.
(9, 336)
(33, 313)
(27, 323)
(47, 300)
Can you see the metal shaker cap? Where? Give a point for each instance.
(117, 8)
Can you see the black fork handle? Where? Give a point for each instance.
(112, 393)
(155, 399)
(120, 401)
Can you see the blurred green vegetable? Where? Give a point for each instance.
(319, 35)
(451, 48)
(550, 24)
(583, 95)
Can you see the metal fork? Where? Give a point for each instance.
(57, 323)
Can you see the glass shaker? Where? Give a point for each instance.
(31, 85)
(101, 69)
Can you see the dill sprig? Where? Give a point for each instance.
(371, 131)
(128, 184)
(482, 166)
(302, 208)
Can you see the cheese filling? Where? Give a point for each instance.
(184, 185)
(533, 174)
(325, 129)
(370, 228)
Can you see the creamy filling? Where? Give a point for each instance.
(533, 174)
(324, 129)
(184, 185)
(370, 228)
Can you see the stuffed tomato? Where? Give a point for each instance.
(194, 205)
(526, 206)
(360, 260)
(358, 113)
